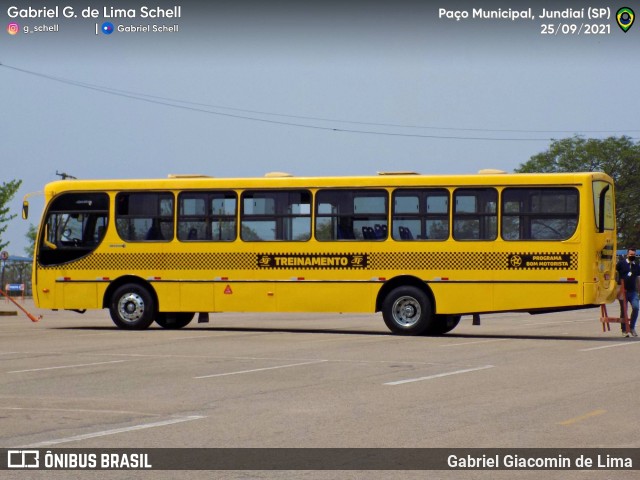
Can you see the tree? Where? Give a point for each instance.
(617, 156)
(7, 192)
(31, 237)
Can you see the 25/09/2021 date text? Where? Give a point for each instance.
(575, 29)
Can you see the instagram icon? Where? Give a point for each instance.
(13, 28)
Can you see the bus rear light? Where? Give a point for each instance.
(63, 279)
(221, 279)
(297, 279)
(441, 279)
(152, 279)
(103, 279)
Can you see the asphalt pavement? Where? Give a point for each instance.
(317, 381)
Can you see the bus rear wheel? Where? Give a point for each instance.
(132, 307)
(445, 323)
(407, 311)
(174, 320)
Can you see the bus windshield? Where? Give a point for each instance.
(74, 226)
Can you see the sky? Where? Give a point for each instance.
(312, 88)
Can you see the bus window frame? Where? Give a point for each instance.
(422, 215)
(91, 232)
(278, 216)
(153, 229)
(531, 215)
(342, 225)
(208, 217)
(480, 216)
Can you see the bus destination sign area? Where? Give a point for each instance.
(313, 261)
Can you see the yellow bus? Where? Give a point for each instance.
(423, 250)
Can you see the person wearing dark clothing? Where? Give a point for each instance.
(628, 271)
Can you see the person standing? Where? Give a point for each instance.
(628, 271)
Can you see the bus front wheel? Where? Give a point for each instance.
(132, 307)
(407, 311)
(174, 320)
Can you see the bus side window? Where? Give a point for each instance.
(534, 213)
(144, 216)
(154, 232)
(475, 214)
(420, 214)
(351, 215)
(276, 215)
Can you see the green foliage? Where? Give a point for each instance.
(31, 234)
(7, 192)
(617, 156)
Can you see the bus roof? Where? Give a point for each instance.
(404, 179)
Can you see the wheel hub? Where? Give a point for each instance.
(406, 311)
(131, 307)
(409, 311)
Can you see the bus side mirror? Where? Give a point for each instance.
(25, 204)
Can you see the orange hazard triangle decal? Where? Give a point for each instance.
(228, 291)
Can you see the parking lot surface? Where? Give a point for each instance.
(317, 380)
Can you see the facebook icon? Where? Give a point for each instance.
(107, 28)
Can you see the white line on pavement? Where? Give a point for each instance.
(81, 410)
(473, 343)
(400, 382)
(114, 431)
(625, 344)
(67, 366)
(261, 369)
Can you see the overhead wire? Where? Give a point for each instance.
(207, 108)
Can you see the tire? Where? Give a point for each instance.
(174, 320)
(445, 323)
(407, 311)
(132, 307)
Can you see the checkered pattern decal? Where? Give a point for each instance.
(468, 261)
(164, 261)
(436, 261)
(401, 261)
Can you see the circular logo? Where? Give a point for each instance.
(13, 28)
(515, 261)
(107, 28)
